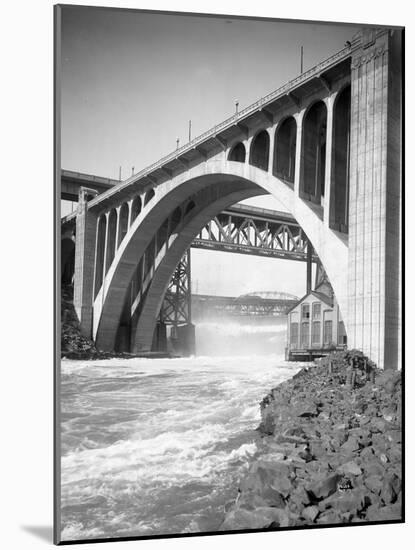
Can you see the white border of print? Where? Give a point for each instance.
(27, 281)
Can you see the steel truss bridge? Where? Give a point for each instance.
(257, 231)
(206, 306)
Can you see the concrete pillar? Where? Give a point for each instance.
(104, 272)
(117, 227)
(271, 133)
(248, 144)
(329, 157)
(298, 151)
(86, 223)
(375, 188)
(186, 340)
(160, 337)
(130, 208)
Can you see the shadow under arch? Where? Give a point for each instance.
(285, 150)
(313, 152)
(237, 153)
(340, 168)
(259, 151)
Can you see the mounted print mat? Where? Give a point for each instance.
(229, 261)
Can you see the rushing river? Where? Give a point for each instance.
(156, 446)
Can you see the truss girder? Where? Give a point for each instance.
(261, 308)
(236, 233)
(176, 308)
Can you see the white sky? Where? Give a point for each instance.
(131, 82)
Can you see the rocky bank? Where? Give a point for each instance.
(75, 346)
(329, 452)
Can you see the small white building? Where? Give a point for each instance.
(315, 326)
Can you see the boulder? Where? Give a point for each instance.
(374, 483)
(299, 498)
(374, 468)
(308, 410)
(324, 487)
(331, 517)
(391, 487)
(352, 501)
(350, 446)
(350, 468)
(262, 517)
(384, 513)
(310, 513)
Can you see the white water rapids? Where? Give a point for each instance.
(157, 446)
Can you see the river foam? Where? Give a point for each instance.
(156, 446)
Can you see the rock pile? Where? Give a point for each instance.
(73, 344)
(330, 451)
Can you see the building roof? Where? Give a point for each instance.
(323, 297)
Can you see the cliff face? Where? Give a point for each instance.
(330, 451)
(76, 346)
(73, 344)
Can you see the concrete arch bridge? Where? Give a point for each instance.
(326, 145)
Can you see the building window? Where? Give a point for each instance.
(305, 334)
(328, 332)
(294, 334)
(305, 311)
(316, 311)
(315, 333)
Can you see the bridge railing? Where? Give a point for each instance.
(237, 117)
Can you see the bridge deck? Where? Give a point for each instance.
(72, 181)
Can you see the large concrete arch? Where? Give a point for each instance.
(223, 175)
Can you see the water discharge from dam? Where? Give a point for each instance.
(157, 446)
